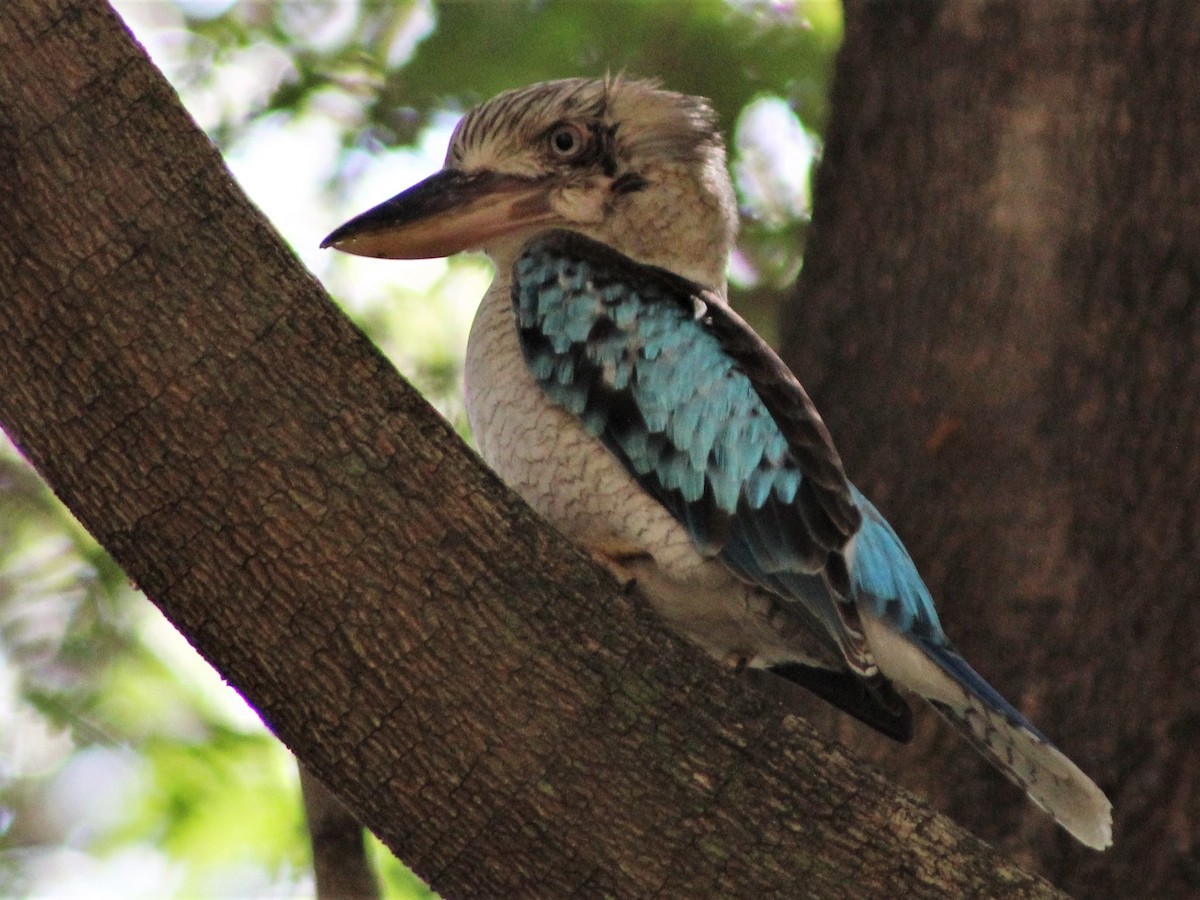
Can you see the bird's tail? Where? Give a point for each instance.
(1014, 746)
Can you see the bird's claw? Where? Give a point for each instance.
(735, 662)
(616, 560)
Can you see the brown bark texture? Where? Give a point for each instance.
(481, 695)
(999, 317)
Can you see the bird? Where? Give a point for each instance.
(609, 382)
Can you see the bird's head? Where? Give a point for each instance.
(626, 163)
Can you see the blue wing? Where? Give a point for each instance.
(884, 578)
(703, 413)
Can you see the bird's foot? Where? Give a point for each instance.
(617, 559)
(735, 662)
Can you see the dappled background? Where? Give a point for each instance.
(126, 767)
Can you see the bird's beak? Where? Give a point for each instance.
(447, 212)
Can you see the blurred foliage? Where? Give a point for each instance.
(113, 733)
(406, 61)
(126, 767)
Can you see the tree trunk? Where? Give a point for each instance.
(341, 867)
(998, 316)
(472, 687)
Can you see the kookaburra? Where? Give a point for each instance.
(610, 384)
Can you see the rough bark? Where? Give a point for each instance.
(999, 316)
(476, 691)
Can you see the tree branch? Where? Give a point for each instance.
(479, 693)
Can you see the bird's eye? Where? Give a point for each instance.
(567, 141)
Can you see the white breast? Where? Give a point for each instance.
(547, 457)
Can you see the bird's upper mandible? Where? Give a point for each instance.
(635, 167)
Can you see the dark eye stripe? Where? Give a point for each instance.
(629, 183)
